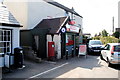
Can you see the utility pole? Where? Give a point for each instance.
(113, 24)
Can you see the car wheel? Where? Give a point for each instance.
(109, 64)
(101, 57)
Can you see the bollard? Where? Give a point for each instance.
(66, 54)
(76, 51)
(72, 52)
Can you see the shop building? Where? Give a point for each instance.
(50, 13)
(57, 30)
(9, 36)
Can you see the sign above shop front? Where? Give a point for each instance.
(72, 28)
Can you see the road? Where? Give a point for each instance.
(91, 67)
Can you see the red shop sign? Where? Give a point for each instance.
(72, 22)
(74, 29)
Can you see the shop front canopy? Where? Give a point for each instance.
(54, 25)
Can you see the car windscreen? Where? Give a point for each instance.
(117, 48)
(95, 43)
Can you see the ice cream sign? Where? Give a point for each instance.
(72, 28)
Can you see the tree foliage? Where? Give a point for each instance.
(95, 35)
(108, 39)
(103, 36)
(104, 33)
(116, 34)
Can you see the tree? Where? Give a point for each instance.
(116, 34)
(95, 35)
(104, 33)
(99, 34)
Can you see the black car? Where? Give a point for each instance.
(95, 46)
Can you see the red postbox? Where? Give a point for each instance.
(51, 49)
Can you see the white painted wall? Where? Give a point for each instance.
(29, 14)
(78, 20)
(57, 40)
(19, 11)
(37, 11)
(49, 39)
(16, 38)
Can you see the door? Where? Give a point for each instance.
(42, 46)
(36, 37)
(63, 44)
(40, 42)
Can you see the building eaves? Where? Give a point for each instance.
(62, 7)
(54, 25)
(6, 18)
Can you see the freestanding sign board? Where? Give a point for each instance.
(82, 50)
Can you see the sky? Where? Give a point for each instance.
(97, 14)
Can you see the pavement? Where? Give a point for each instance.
(90, 67)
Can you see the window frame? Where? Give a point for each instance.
(6, 41)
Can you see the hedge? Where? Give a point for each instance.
(108, 39)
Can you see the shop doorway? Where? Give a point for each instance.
(40, 44)
(36, 38)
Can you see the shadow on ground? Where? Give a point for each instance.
(35, 68)
(116, 66)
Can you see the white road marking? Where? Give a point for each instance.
(47, 71)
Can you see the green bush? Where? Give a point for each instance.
(96, 38)
(118, 40)
(108, 39)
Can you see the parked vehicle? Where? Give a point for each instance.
(111, 53)
(95, 46)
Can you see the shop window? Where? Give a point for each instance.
(69, 40)
(5, 41)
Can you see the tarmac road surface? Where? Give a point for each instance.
(91, 67)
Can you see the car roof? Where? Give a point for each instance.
(113, 43)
